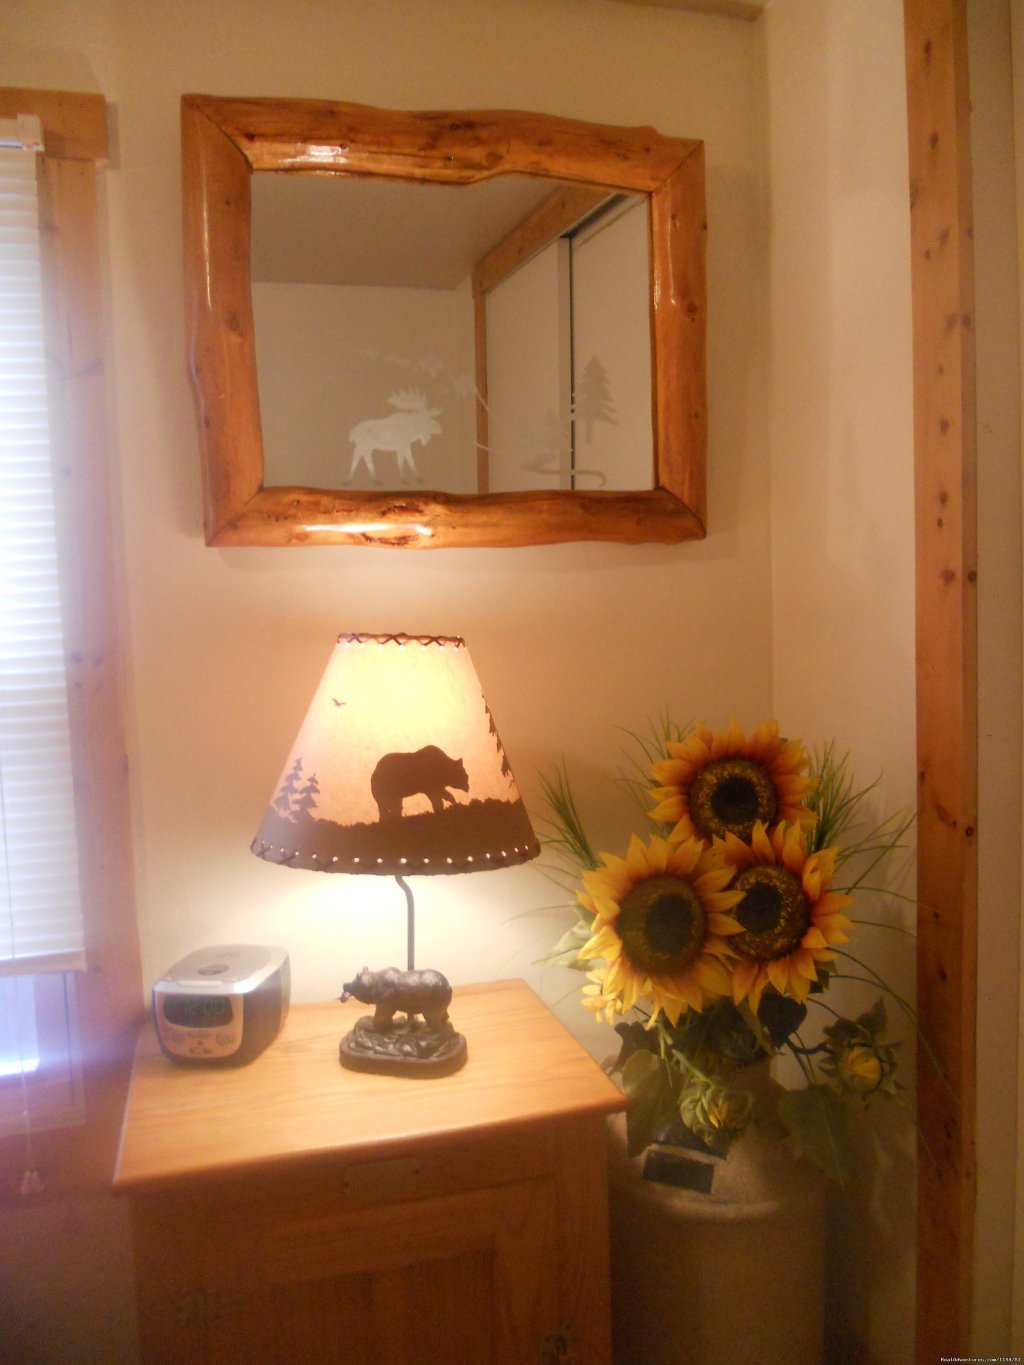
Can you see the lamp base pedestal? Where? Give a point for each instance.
(411, 1048)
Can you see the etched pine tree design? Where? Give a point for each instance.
(283, 799)
(305, 801)
(593, 398)
(492, 729)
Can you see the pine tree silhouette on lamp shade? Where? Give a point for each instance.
(398, 770)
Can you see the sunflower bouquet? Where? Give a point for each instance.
(707, 942)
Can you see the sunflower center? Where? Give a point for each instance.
(728, 795)
(661, 924)
(774, 913)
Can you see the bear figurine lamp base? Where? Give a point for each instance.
(398, 770)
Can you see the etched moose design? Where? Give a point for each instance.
(411, 421)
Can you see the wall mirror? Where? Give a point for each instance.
(443, 329)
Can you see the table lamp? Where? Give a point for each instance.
(398, 770)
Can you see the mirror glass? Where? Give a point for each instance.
(492, 337)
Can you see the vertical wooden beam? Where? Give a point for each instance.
(945, 464)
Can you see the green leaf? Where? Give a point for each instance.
(874, 1021)
(648, 1088)
(648, 749)
(721, 1033)
(566, 952)
(814, 1120)
(568, 833)
(842, 1031)
(780, 1016)
(634, 1038)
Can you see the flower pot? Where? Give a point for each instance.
(729, 1268)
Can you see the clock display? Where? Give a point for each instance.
(198, 1011)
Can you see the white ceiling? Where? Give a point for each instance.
(339, 230)
(312, 229)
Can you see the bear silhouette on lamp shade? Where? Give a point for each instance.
(428, 771)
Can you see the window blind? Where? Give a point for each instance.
(40, 913)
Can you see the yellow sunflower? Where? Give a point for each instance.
(660, 928)
(714, 784)
(791, 919)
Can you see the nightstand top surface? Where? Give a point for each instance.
(296, 1102)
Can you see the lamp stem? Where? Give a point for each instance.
(411, 929)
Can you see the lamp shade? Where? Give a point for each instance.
(397, 768)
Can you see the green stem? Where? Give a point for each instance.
(813, 999)
(884, 891)
(808, 1074)
(666, 1042)
(577, 910)
(878, 924)
(806, 1051)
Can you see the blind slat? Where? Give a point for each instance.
(40, 913)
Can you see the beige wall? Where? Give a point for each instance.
(799, 603)
(569, 641)
(840, 427)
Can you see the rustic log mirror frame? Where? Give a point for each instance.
(225, 140)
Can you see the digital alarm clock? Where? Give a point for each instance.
(222, 1006)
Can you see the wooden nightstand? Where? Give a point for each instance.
(291, 1211)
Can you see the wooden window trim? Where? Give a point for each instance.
(109, 991)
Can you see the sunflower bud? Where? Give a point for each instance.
(860, 1062)
(859, 1068)
(714, 1112)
